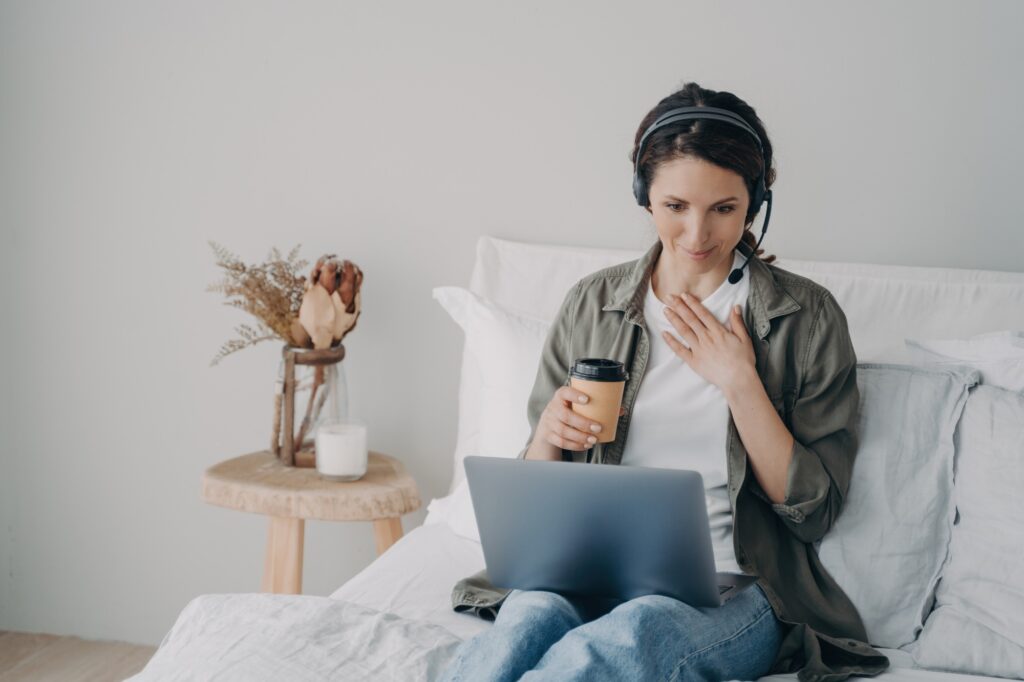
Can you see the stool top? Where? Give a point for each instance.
(260, 483)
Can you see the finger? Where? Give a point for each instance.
(578, 421)
(578, 436)
(577, 439)
(622, 411)
(572, 395)
(684, 313)
(553, 432)
(683, 326)
(709, 321)
(739, 328)
(679, 349)
(560, 442)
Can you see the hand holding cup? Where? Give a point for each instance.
(563, 427)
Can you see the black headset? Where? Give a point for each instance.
(640, 189)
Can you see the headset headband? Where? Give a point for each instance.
(686, 113)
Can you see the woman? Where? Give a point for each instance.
(755, 364)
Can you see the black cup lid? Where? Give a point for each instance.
(599, 369)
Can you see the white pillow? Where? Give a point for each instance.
(532, 279)
(456, 510)
(977, 625)
(999, 356)
(889, 542)
(502, 352)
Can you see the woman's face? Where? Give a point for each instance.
(698, 206)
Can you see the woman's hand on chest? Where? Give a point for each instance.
(722, 355)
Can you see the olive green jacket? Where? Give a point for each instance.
(806, 362)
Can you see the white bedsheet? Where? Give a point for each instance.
(392, 621)
(253, 637)
(414, 578)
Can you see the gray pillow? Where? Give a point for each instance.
(889, 542)
(977, 625)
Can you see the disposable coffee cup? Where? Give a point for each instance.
(603, 381)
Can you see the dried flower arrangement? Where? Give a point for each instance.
(315, 312)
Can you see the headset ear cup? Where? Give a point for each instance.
(758, 199)
(639, 190)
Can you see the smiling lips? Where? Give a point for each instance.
(698, 256)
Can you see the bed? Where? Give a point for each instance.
(394, 619)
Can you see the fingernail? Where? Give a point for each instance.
(595, 428)
(591, 439)
(583, 398)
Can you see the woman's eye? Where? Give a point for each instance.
(677, 207)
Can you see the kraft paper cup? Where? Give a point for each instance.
(603, 381)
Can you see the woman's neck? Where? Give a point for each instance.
(668, 278)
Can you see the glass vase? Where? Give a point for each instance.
(311, 390)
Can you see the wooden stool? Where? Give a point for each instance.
(259, 483)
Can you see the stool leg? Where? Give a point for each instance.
(282, 565)
(387, 532)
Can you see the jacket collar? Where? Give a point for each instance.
(767, 299)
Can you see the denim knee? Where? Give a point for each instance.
(651, 608)
(550, 608)
(660, 618)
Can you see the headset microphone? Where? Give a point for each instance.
(761, 194)
(737, 273)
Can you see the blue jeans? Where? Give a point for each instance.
(541, 635)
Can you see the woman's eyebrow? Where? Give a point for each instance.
(720, 201)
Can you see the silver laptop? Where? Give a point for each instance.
(597, 530)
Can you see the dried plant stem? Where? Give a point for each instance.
(318, 380)
(288, 454)
(319, 406)
(275, 444)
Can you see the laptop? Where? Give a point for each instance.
(597, 530)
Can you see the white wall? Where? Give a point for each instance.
(394, 134)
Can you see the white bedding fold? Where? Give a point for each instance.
(300, 638)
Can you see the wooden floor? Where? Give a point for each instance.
(37, 657)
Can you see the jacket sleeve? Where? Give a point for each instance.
(553, 369)
(824, 423)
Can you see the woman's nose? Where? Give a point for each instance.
(695, 239)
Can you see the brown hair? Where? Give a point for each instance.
(723, 144)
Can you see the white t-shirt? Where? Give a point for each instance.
(679, 420)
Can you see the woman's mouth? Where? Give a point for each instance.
(697, 255)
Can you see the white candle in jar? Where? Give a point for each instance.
(341, 450)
